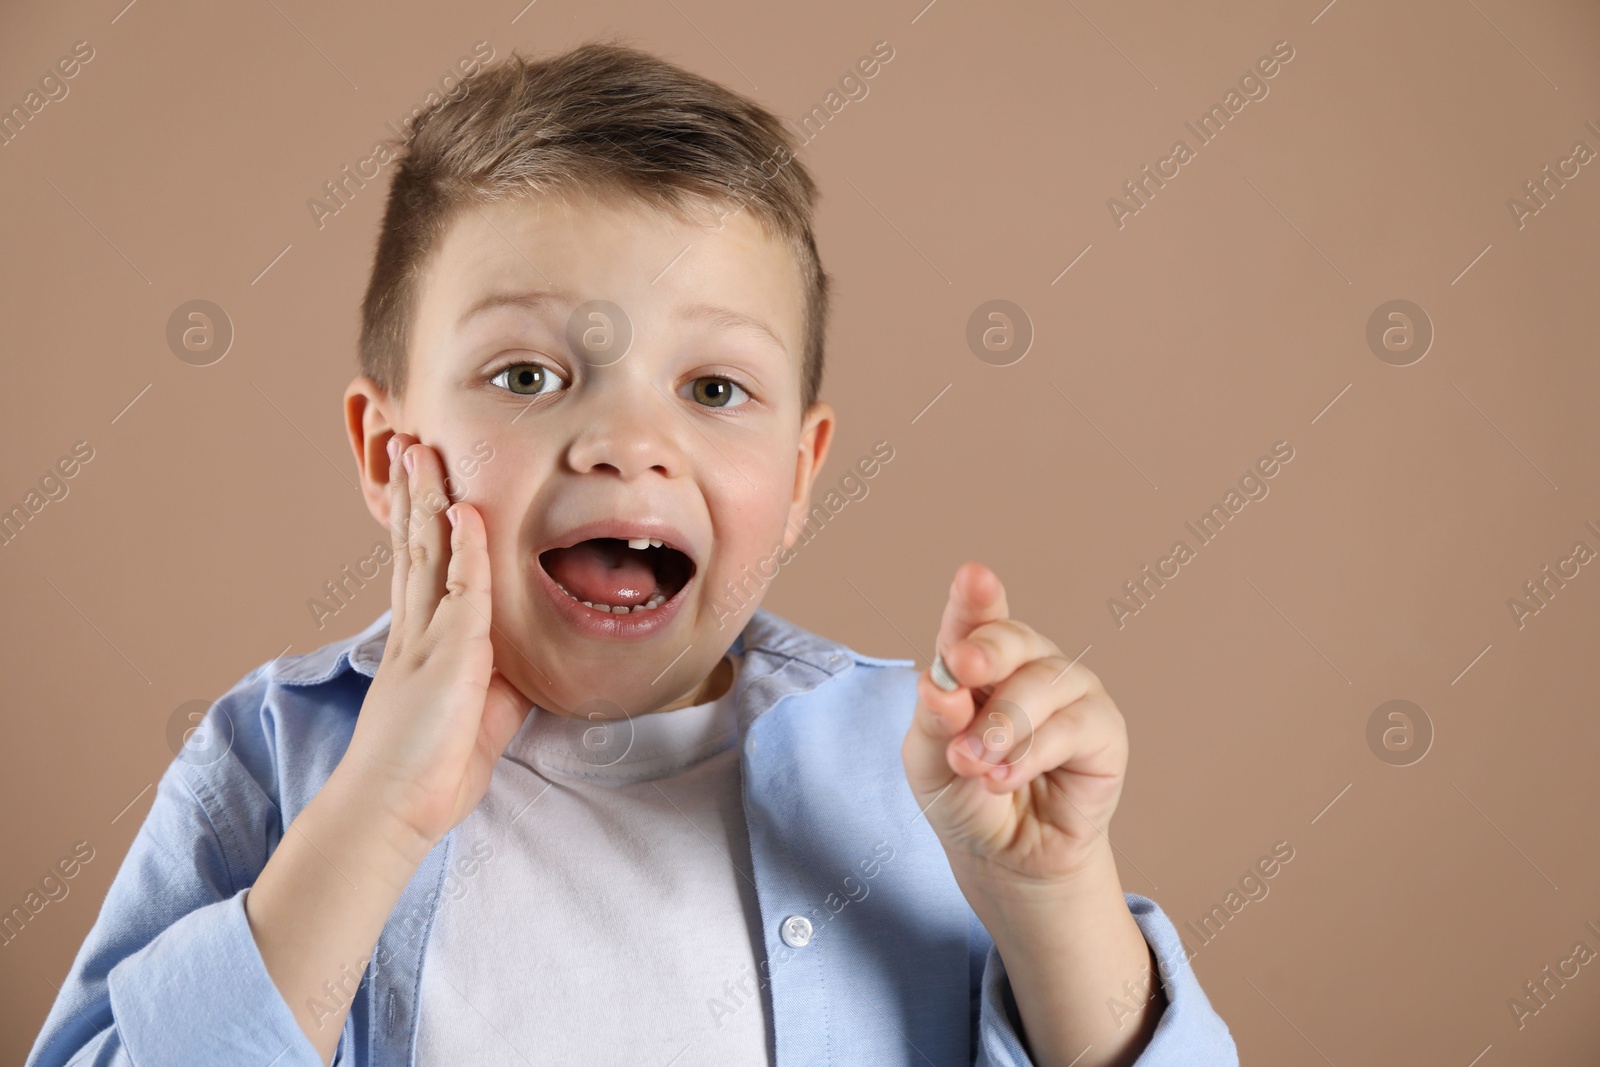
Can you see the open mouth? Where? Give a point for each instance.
(616, 576)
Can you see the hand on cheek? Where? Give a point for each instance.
(437, 714)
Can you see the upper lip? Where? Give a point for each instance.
(625, 530)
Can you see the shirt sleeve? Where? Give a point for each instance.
(1190, 1033)
(170, 972)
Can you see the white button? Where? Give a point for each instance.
(797, 931)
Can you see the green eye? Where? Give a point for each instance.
(718, 393)
(528, 379)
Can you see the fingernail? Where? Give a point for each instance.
(973, 746)
(394, 444)
(410, 461)
(999, 771)
(450, 513)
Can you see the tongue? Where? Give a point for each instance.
(602, 571)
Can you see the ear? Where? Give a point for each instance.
(816, 435)
(371, 417)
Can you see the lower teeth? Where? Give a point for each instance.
(621, 609)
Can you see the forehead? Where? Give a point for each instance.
(660, 269)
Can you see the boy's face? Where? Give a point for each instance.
(694, 437)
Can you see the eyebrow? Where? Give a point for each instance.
(542, 299)
(532, 300)
(727, 319)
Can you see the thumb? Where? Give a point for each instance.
(939, 716)
(504, 709)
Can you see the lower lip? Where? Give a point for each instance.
(594, 623)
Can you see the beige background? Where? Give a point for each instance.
(1224, 317)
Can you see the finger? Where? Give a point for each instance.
(464, 613)
(976, 597)
(937, 718)
(1003, 728)
(1088, 738)
(993, 651)
(399, 550)
(430, 533)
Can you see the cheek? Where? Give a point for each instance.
(765, 472)
(750, 509)
(500, 489)
(490, 487)
(479, 466)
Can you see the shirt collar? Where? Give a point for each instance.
(361, 652)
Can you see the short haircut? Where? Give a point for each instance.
(603, 119)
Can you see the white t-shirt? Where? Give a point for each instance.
(600, 906)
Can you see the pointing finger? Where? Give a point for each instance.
(976, 598)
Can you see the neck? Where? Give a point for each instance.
(712, 688)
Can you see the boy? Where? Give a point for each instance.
(597, 806)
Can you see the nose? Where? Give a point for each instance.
(629, 430)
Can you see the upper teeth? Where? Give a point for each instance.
(643, 542)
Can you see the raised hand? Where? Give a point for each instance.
(1023, 815)
(1032, 798)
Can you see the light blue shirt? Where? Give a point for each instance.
(897, 968)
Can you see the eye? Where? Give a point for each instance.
(528, 379)
(718, 392)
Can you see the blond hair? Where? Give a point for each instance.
(602, 118)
